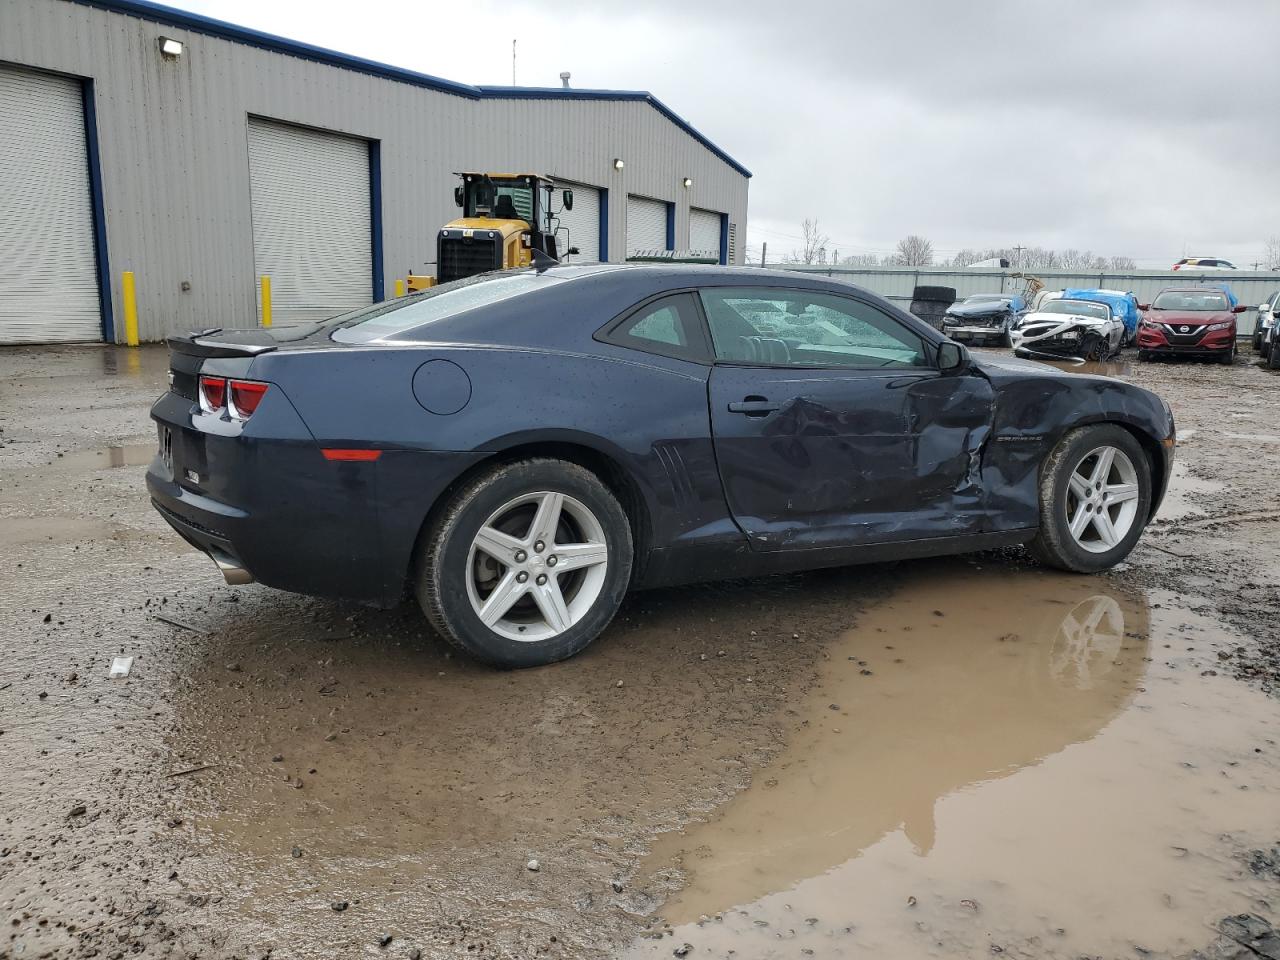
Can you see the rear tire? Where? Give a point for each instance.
(1081, 530)
(526, 564)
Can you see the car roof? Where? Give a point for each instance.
(1205, 289)
(704, 270)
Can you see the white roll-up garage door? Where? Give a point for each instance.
(48, 272)
(582, 223)
(646, 225)
(704, 232)
(312, 232)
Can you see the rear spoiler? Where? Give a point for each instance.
(194, 346)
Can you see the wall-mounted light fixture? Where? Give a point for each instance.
(170, 49)
(688, 182)
(618, 164)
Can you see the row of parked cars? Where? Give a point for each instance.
(1096, 324)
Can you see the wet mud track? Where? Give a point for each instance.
(960, 758)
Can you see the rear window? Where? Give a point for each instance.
(1191, 300)
(439, 303)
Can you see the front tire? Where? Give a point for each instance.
(1095, 498)
(1229, 357)
(1273, 356)
(526, 564)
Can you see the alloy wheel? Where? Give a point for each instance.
(537, 566)
(1102, 499)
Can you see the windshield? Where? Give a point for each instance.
(439, 303)
(1195, 300)
(1080, 308)
(499, 200)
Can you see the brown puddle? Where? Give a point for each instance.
(1011, 774)
(125, 455)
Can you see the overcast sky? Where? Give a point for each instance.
(1141, 128)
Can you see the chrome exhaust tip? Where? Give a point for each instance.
(232, 572)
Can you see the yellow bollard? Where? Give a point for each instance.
(266, 300)
(399, 287)
(130, 297)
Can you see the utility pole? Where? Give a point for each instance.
(764, 252)
(513, 63)
(1017, 257)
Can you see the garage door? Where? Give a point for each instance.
(311, 220)
(646, 225)
(704, 232)
(48, 273)
(582, 224)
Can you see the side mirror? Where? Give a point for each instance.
(458, 195)
(1144, 307)
(1239, 308)
(952, 357)
(568, 199)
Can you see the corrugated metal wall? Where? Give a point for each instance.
(174, 151)
(896, 283)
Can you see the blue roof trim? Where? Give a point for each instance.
(306, 51)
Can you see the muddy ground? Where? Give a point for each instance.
(954, 758)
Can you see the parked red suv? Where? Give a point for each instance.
(1189, 321)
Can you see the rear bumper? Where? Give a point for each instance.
(269, 507)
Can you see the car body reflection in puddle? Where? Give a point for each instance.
(991, 778)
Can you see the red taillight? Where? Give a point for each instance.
(245, 397)
(213, 393)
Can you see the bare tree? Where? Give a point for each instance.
(965, 257)
(815, 243)
(1122, 263)
(861, 260)
(1273, 253)
(914, 251)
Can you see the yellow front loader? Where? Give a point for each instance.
(505, 218)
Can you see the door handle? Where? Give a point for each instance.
(754, 406)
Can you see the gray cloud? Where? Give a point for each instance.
(1131, 127)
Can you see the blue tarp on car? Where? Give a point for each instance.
(1123, 305)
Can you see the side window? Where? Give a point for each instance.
(795, 328)
(669, 327)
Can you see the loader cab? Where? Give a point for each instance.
(505, 218)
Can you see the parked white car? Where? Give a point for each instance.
(1064, 329)
(1203, 263)
(1268, 312)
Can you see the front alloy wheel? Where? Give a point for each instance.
(1102, 499)
(1095, 499)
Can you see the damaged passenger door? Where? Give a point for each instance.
(834, 427)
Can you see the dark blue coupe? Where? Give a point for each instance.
(520, 449)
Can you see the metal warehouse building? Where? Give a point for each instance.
(201, 168)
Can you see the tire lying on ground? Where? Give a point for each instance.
(1095, 498)
(526, 563)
